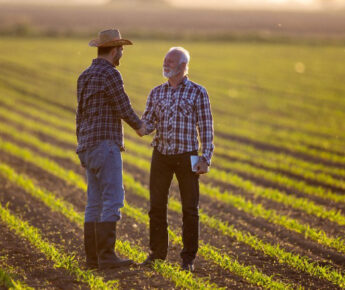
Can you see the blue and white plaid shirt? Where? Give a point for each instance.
(102, 103)
(178, 115)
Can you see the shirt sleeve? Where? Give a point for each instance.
(78, 110)
(149, 116)
(120, 101)
(205, 125)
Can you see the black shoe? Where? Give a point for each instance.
(106, 238)
(148, 262)
(90, 245)
(187, 266)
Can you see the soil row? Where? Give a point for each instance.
(241, 252)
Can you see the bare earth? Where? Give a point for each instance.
(166, 21)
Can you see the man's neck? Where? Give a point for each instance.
(176, 80)
(106, 58)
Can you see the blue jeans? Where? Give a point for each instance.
(105, 192)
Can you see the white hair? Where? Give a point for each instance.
(185, 56)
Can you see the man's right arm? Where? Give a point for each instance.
(149, 116)
(79, 106)
(118, 97)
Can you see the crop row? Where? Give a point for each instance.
(280, 179)
(262, 158)
(273, 194)
(268, 159)
(215, 173)
(269, 136)
(276, 195)
(60, 259)
(7, 281)
(282, 143)
(302, 204)
(240, 166)
(293, 260)
(215, 88)
(274, 161)
(283, 162)
(172, 272)
(271, 215)
(249, 273)
(253, 95)
(263, 130)
(259, 211)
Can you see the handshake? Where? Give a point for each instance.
(142, 130)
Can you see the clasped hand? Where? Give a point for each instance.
(142, 130)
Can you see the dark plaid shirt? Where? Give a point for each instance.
(177, 115)
(102, 103)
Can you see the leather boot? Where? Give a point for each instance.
(106, 238)
(90, 245)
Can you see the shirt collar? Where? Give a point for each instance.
(184, 82)
(101, 61)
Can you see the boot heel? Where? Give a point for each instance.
(106, 238)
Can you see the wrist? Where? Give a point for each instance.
(203, 158)
(139, 125)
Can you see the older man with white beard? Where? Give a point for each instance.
(178, 110)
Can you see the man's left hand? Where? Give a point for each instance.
(201, 166)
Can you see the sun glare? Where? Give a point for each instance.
(292, 1)
(251, 3)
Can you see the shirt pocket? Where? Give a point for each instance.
(186, 106)
(160, 108)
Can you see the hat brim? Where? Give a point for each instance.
(118, 42)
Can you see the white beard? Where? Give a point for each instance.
(172, 73)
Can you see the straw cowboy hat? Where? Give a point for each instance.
(111, 37)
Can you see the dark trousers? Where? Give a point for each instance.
(163, 168)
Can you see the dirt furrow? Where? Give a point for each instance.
(226, 212)
(270, 147)
(326, 225)
(291, 240)
(248, 255)
(31, 266)
(282, 172)
(65, 234)
(262, 228)
(219, 276)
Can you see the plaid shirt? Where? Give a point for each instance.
(176, 115)
(102, 103)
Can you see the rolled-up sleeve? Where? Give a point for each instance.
(120, 101)
(205, 125)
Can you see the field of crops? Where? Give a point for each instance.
(272, 206)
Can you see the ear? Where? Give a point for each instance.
(183, 66)
(114, 51)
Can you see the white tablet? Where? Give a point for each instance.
(193, 161)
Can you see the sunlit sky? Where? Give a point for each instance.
(229, 3)
(302, 4)
(220, 4)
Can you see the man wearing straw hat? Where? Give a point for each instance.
(102, 103)
(179, 111)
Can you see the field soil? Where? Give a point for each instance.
(160, 21)
(264, 112)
